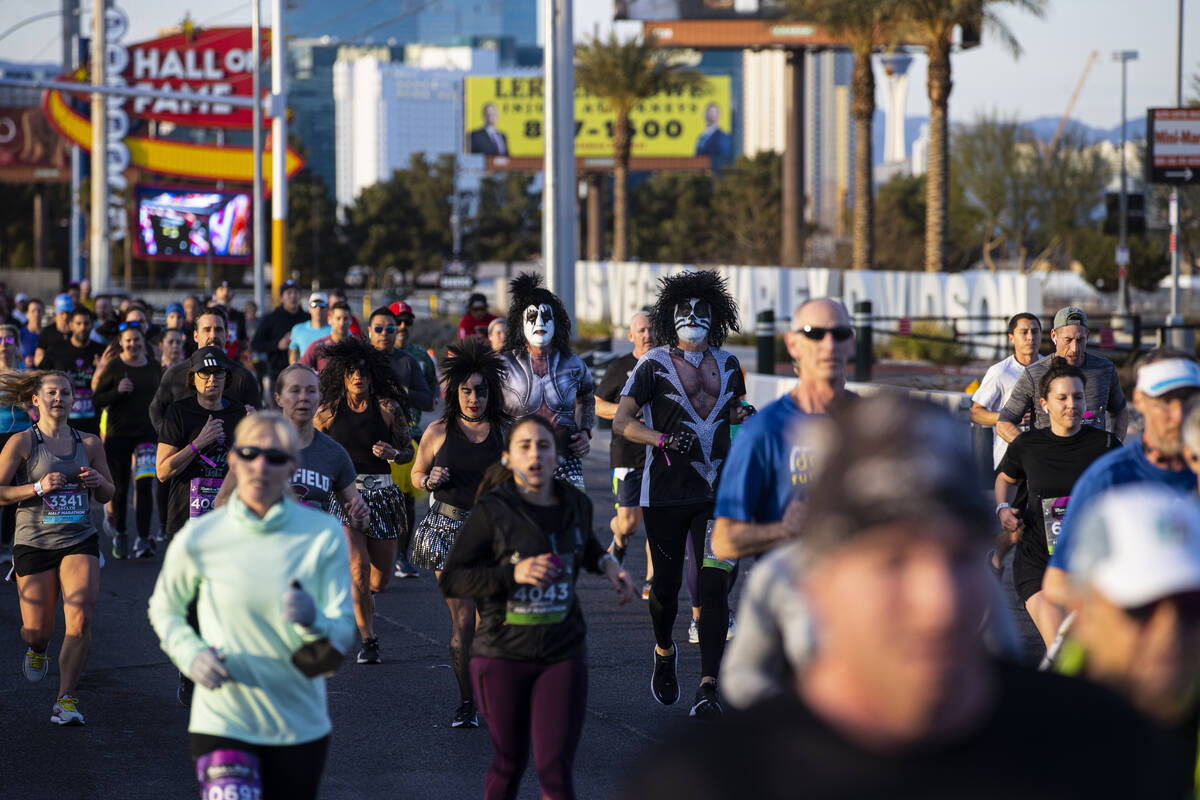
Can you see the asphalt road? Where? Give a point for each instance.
(392, 735)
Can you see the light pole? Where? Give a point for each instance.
(1123, 56)
(1177, 337)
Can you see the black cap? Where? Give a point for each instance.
(209, 358)
(288, 285)
(225, 285)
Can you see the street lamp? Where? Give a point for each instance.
(1123, 56)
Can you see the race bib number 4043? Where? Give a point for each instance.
(533, 605)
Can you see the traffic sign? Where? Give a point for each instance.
(1173, 145)
(1122, 255)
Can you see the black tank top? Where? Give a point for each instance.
(358, 432)
(467, 462)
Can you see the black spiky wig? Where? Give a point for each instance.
(473, 357)
(526, 290)
(351, 355)
(704, 284)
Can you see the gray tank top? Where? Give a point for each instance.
(61, 519)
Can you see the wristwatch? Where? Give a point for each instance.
(1002, 506)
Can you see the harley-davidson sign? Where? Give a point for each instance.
(212, 61)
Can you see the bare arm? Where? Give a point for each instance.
(1007, 431)
(15, 452)
(981, 416)
(228, 487)
(169, 460)
(431, 442)
(626, 424)
(605, 409)
(733, 539)
(1004, 491)
(1055, 586)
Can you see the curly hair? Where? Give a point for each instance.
(526, 290)
(473, 357)
(704, 284)
(354, 355)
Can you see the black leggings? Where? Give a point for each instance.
(667, 531)
(120, 450)
(288, 772)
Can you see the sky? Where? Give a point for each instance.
(986, 79)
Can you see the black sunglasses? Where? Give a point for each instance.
(275, 458)
(840, 333)
(135, 324)
(384, 328)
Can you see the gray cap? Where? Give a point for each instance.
(1069, 315)
(893, 459)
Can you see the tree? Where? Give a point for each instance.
(624, 74)
(859, 23)
(314, 245)
(747, 206)
(900, 222)
(1149, 261)
(672, 219)
(931, 23)
(507, 225)
(1071, 182)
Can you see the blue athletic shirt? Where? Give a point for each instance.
(1126, 464)
(768, 466)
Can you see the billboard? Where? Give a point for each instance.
(504, 116)
(30, 150)
(1173, 145)
(653, 10)
(181, 223)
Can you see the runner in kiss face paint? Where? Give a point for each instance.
(687, 394)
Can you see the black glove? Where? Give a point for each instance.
(680, 442)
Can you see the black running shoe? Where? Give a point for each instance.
(707, 705)
(184, 693)
(466, 716)
(663, 683)
(369, 654)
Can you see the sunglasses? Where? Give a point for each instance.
(316, 304)
(134, 324)
(840, 333)
(384, 328)
(274, 457)
(1187, 604)
(9, 340)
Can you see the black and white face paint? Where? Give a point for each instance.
(693, 317)
(539, 325)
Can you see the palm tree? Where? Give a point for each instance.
(624, 74)
(858, 23)
(931, 23)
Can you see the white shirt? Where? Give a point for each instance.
(993, 393)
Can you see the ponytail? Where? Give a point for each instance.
(18, 388)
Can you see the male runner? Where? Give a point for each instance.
(626, 458)
(274, 334)
(688, 393)
(339, 329)
(305, 333)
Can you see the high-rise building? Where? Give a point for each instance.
(417, 21)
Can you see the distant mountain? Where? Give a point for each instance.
(1043, 128)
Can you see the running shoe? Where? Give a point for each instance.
(184, 693)
(694, 631)
(663, 683)
(618, 551)
(159, 537)
(405, 569)
(707, 705)
(732, 629)
(34, 665)
(143, 547)
(369, 654)
(646, 590)
(66, 711)
(120, 545)
(466, 716)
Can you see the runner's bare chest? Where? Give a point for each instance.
(701, 384)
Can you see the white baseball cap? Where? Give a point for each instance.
(1138, 543)
(1164, 376)
(318, 297)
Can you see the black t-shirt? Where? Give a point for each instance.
(273, 327)
(684, 478)
(192, 491)
(127, 412)
(1048, 737)
(1050, 465)
(80, 364)
(621, 451)
(50, 337)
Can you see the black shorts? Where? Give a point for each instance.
(1029, 567)
(627, 486)
(32, 560)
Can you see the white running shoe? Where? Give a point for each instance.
(66, 711)
(694, 631)
(34, 665)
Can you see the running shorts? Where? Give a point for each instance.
(627, 486)
(1029, 567)
(32, 560)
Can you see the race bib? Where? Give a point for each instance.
(229, 775)
(711, 560)
(203, 494)
(1053, 511)
(66, 506)
(533, 605)
(143, 459)
(82, 408)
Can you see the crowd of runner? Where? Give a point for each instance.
(875, 653)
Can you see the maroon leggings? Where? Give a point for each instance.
(519, 699)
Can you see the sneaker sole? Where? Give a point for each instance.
(675, 667)
(472, 724)
(720, 712)
(61, 722)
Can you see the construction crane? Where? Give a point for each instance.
(1062, 123)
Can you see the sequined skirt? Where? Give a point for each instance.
(435, 535)
(386, 503)
(570, 469)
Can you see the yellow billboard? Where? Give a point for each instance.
(503, 116)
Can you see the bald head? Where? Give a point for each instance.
(820, 356)
(820, 312)
(641, 333)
